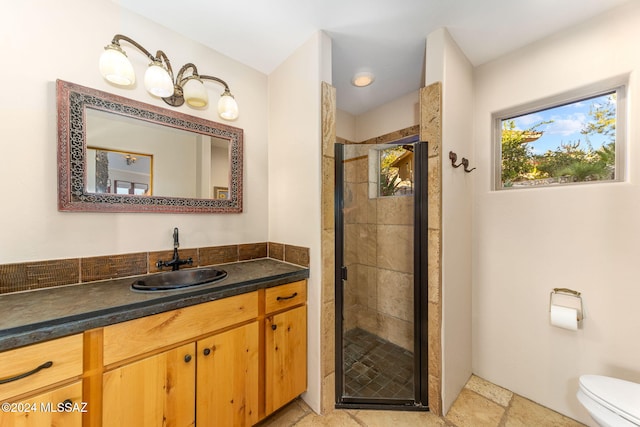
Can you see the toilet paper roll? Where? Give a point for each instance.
(564, 317)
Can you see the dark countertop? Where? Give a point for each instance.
(30, 317)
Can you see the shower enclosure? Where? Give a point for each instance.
(381, 277)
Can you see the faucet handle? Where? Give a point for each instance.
(176, 241)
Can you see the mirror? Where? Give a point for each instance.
(120, 155)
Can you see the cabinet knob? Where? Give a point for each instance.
(187, 358)
(274, 327)
(67, 402)
(207, 351)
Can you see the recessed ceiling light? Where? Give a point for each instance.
(363, 79)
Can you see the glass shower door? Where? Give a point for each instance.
(376, 283)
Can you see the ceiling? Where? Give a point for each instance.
(386, 37)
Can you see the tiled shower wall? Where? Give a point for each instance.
(379, 257)
(46, 274)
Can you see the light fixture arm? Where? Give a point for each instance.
(116, 41)
(181, 79)
(222, 82)
(162, 57)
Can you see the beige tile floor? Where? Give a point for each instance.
(480, 404)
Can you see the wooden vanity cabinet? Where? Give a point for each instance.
(146, 384)
(41, 384)
(229, 362)
(227, 379)
(157, 390)
(213, 380)
(285, 344)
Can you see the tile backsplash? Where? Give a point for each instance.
(50, 273)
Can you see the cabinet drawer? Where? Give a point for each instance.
(129, 339)
(64, 355)
(59, 407)
(285, 296)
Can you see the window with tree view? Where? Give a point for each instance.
(567, 143)
(396, 171)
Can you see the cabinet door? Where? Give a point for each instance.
(60, 407)
(286, 357)
(156, 391)
(227, 380)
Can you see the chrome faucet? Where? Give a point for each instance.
(176, 262)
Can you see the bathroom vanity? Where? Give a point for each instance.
(216, 356)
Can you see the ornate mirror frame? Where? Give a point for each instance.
(72, 99)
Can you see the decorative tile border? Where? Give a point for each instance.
(40, 274)
(276, 251)
(218, 255)
(113, 266)
(28, 276)
(383, 139)
(288, 253)
(252, 251)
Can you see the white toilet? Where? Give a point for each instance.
(611, 402)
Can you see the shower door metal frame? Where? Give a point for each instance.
(421, 374)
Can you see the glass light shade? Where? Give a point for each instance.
(157, 81)
(194, 92)
(116, 67)
(363, 79)
(228, 107)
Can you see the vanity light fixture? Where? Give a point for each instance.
(159, 80)
(130, 159)
(363, 79)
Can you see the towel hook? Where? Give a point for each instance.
(465, 163)
(454, 158)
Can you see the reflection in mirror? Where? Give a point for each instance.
(203, 161)
(110, 171)
(220, 192)
(162, 160)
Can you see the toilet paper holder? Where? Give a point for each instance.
(571, 293)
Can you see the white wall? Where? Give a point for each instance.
(345, 125)
(446, 63)
(45, 41)
(398, 114)
(585, 237)
(401, 113)
(295, 173)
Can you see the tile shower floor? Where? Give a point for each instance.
(374, 367)
(480, 404)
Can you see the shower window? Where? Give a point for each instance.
(391, 171)
(575, 139)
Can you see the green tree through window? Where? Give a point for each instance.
(572, 142)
